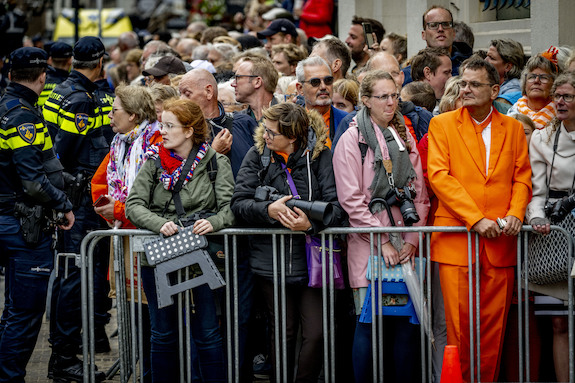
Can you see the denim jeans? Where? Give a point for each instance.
(205, 334)
(26, 285)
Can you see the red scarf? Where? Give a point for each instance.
(170, 160)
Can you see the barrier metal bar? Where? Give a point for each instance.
(477, 307)
(91, 239)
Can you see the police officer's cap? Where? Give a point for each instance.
(61, 50)
(29, 57)
(89, 48)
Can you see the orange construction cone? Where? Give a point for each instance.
(451, 369)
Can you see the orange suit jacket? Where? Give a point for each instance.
(466, 194)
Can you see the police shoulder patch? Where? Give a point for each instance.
(82, 121)
(27, 132)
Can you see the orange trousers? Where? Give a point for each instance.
(496, 287)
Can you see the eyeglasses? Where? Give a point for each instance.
(169, 125)
(543, 78)
(327, 80)
(434, 25)
(237, 76)
(385, 97)
(271, 134)
(114, 110)
(472, 84)
(566, 97)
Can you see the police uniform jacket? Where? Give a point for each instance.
(54, 76)
(74, 119)
(29, 169)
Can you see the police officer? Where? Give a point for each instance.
(73, 113)
(60, 62)
(31, 185)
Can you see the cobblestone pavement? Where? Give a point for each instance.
(37, 367)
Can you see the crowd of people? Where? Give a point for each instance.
(193, 130)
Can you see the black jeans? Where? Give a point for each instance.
(303, 307)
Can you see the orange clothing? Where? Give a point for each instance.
(100, 186)
(456, 170)
(496, 287)
(327, 119)
(409, 126)
(456, 174)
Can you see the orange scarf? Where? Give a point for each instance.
(542, 117)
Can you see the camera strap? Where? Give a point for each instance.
(548, 179)
(290, 182)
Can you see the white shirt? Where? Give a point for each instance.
(486, 135)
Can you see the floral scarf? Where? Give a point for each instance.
(172, 164)
(127, 155)
(540, 118)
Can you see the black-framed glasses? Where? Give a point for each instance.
(272, 134)
(543, 78)
(115, 110)
(434, 25)
(238, 76)
(385, 97)
(473, 84)
(566, 97)
(315, 81)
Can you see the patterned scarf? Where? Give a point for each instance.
(540, 118)
(127, 155)
(172, 164)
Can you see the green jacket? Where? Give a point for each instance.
(148, 197)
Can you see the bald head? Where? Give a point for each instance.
(387, 63)
(200, 86)
(186, 46)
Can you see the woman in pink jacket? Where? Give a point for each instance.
(375, 159)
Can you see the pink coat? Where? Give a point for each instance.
(353, 179)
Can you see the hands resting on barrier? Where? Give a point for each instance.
(541, 225)
(490, 229)
(201, 227)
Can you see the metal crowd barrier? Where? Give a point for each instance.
(130, 319)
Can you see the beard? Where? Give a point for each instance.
(323, 102)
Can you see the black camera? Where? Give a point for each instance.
(558, 210)
(315, 210)
(404, 199)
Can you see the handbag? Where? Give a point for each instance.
(313, 249)
(548, 254)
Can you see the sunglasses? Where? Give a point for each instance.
(327, 80)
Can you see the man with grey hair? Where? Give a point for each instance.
(315, 84)
(335, 53)
(128, 40)
(231, 134)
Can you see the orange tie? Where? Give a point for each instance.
(478, 130)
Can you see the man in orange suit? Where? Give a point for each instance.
(479, 170)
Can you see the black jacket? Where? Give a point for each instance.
(29, 169)
(255, 214)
